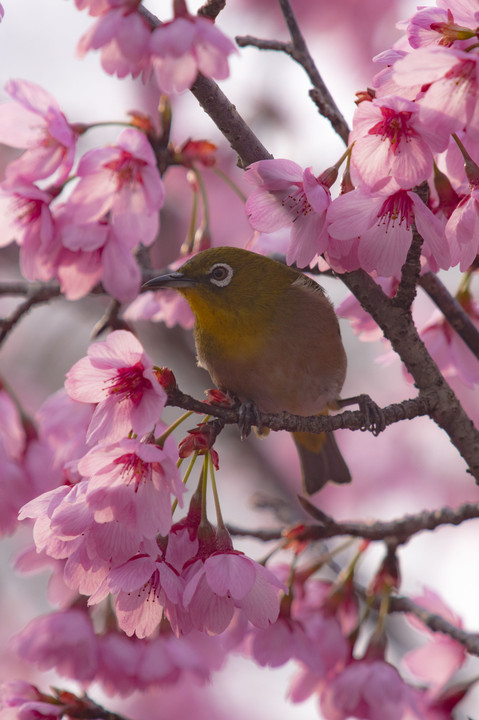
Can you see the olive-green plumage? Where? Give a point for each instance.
(268, 334)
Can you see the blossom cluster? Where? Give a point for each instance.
(149, 592)
(173, 53)
(182, 597)
(81, 221)
(403, 131)
(418, 126)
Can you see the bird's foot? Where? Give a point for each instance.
(374, 419)
(248, 416)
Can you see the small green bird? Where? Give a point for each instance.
(268, 334)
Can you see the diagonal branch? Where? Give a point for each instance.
(436, 623)
(452, 310)
(35, 295)
(298, 50)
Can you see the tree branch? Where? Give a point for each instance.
(36, 295)
(298, 50)
(436, 623)
(351, 420)
(399, 531)
(452, 310)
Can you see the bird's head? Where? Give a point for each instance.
(228, 281)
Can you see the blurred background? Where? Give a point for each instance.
(408, 468)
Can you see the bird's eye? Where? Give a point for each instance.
(220, 274)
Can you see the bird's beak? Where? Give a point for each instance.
(171, 280)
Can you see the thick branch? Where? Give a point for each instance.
(398, 327)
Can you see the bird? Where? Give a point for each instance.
(268, 335)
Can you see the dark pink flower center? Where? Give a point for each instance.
(128, 169)
(463, 74)
(26, 210)
(297, 204)
(396, 209)
(129, 383)
(135, 470)
(394, 127)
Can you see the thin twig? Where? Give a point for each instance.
(298, 50)
(400, 531)
(436, 623)
(36, 295)
(454, 313)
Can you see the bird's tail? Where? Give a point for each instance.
(321, 460)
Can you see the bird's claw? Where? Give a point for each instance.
(248, 417)
(374, 419)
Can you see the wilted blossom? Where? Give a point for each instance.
(118, 375)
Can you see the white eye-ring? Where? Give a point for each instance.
(220, 274)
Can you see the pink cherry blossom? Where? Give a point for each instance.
(62, 640)
(450, 75)
(145, 588)
(92, 253)
(360, 320)
(122, 35)
(185, 46)
(65, 528)
(448, 24)
(25, 216)
(19, 699)
(62, 425)
(382, 229)
(15, 490)
(165, 306)
(12, 433)
(100, 7)
(34, 121)
(441, 657)
(462, 229)
(128, 664)
(119, 376)
(287, 196)
(132, 482)
(123, 180)
(390, 141)
(369, 690)
(226, 580)
(453, 357)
